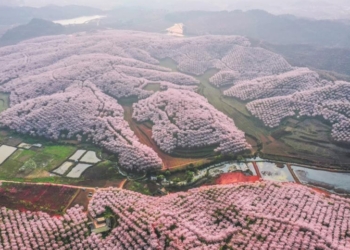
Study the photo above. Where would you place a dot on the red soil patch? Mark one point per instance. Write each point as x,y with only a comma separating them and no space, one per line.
271,138
236,177
93,183
252,143
321,191
144,134
263,139
46,198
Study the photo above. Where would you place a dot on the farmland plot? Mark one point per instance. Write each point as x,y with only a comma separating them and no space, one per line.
269,171
77,155
34,163
45,198
63,168
5,152
90,157
77,171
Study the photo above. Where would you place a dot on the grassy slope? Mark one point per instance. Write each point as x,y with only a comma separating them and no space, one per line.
152,87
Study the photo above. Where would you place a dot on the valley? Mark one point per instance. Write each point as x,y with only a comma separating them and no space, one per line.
133,140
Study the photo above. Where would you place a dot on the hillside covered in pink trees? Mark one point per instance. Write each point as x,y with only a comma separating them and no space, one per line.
82,77
299,93
331,102
118,65
82,111
181,122
262,215
276,85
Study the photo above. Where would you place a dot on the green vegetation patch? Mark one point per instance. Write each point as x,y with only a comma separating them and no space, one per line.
12,166
230,106
4,102
195,152
168,63
139,187
59,151
152,87
105,170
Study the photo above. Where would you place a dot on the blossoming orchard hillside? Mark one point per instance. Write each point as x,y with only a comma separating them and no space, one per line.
83,68
263,215
332,102
118,139
130,67
82,111
276,85
184,119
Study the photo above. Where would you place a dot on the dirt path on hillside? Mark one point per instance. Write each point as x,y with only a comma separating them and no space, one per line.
144,134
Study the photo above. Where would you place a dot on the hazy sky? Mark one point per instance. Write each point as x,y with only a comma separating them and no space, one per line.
309,8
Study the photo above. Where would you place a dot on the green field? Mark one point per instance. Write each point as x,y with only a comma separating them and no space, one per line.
169,63
202,152
152,87
139,187
34,163
231,107
4,102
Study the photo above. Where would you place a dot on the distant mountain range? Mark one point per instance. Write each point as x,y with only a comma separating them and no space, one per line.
318,44
21,15
35,28
285,29
315,57
315,9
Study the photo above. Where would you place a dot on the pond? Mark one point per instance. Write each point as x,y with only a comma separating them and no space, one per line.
338,182
270,172
228,168
223,168
78,20
244,171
